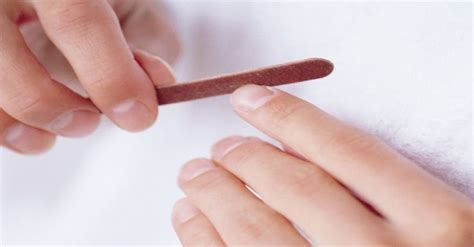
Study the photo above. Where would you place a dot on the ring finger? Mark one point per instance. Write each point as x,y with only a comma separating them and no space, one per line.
237,214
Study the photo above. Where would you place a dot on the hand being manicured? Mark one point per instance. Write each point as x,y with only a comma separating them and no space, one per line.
339,185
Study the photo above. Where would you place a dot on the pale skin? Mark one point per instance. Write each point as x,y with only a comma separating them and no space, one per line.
339,185
336,183
113,52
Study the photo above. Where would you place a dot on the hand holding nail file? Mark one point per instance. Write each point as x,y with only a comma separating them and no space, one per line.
292,72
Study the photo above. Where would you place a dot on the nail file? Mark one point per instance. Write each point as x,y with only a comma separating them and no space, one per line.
292,72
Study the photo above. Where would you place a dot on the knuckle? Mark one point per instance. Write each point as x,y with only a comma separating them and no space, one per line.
104,79
100,84
109,79
251,228
305,181
282,113
26,106
74,15
350,141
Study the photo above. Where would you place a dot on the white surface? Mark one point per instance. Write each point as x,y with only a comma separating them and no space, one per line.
402,71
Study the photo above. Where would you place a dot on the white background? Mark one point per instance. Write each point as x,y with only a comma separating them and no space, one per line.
403,71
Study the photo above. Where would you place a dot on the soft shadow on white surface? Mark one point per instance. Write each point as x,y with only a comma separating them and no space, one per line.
403,72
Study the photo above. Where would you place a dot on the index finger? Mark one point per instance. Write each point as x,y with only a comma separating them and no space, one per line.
88,33
394,185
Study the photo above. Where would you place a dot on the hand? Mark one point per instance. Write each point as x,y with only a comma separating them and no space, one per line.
336,183
45,44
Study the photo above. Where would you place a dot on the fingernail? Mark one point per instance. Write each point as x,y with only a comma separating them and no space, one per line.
159,71
195,168
27,140
132,115
251,97
77,123
223,147
184,211
13,133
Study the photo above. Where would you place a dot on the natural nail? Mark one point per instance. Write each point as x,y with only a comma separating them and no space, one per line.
132,115
13,133
251,97
77,123
184,211
195,168
223,147
25,139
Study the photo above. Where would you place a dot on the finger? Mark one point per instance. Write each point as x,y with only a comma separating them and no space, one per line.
395,186
146,27
192,227
28,94
238,216
298,189
291,151
89,35
159,71
23,138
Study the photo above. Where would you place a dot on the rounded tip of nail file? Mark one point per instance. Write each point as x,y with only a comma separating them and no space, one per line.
297,71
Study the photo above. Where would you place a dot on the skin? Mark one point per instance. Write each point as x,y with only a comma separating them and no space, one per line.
339,185
63,63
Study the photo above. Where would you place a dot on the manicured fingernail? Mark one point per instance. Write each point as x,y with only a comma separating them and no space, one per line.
195,168
223,147
132,115
251,97
183,211
77,123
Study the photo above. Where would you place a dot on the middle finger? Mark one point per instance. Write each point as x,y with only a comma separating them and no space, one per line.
302,192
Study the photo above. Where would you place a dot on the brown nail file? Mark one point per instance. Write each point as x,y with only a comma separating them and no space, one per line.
292,72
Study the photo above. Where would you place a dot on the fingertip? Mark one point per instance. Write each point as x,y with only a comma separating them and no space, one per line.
77,123
159,71
193,169
224,146
251,97
133,115
25,139
133,107
183,211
